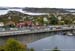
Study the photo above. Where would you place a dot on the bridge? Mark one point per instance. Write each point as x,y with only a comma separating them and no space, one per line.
30,35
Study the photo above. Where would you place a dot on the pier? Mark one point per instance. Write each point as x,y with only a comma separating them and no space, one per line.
35,31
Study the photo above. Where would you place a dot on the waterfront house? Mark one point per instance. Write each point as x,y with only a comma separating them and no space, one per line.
1,24
73,22
10,24
37,23
21,24
29,23
24,24
59,18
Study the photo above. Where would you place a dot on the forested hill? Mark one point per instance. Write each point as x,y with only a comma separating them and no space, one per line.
45,10
3,8
40,10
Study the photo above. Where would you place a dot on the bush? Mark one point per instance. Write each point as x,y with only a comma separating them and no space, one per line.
13,45
1,48
55,49
31,49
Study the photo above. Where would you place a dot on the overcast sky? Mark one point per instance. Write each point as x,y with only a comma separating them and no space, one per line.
39,3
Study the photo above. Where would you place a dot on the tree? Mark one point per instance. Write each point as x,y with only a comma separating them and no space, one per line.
61,22
1,48
31,49
13,45
40,20
67,20
55,49
53,20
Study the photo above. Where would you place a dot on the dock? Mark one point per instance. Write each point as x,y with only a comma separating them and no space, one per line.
33,31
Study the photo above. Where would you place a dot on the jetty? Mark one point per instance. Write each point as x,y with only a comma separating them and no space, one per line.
34,31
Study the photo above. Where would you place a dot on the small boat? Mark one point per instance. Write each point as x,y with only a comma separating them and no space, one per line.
73,32
69,34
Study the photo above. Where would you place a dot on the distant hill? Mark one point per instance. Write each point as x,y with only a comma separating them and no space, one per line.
14,13
45,10
15,16
40,10
14,8
1,8
6,8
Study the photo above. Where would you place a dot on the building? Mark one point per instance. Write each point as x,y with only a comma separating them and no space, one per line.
1,24
10,24
24,24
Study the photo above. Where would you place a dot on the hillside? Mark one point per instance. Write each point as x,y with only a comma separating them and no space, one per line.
45,10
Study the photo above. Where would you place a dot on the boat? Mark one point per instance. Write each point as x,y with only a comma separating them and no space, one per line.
67,33
73,33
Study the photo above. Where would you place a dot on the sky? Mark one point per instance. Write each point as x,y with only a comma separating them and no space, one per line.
38,3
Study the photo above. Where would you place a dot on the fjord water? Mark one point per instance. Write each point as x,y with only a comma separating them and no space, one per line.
44,41
62,42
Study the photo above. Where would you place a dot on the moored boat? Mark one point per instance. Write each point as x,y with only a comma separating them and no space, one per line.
68,33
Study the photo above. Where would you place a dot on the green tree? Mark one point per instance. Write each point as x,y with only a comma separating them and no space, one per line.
40,20
53,20
68,18
1,48
55,49
13,45
61,22
67,21
31,49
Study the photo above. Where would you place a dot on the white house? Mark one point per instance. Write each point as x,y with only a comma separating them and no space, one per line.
45,19
1,24
59,18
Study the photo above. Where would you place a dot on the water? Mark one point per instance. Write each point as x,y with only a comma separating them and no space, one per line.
45,41
2,12
64,43
26,38
71,10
